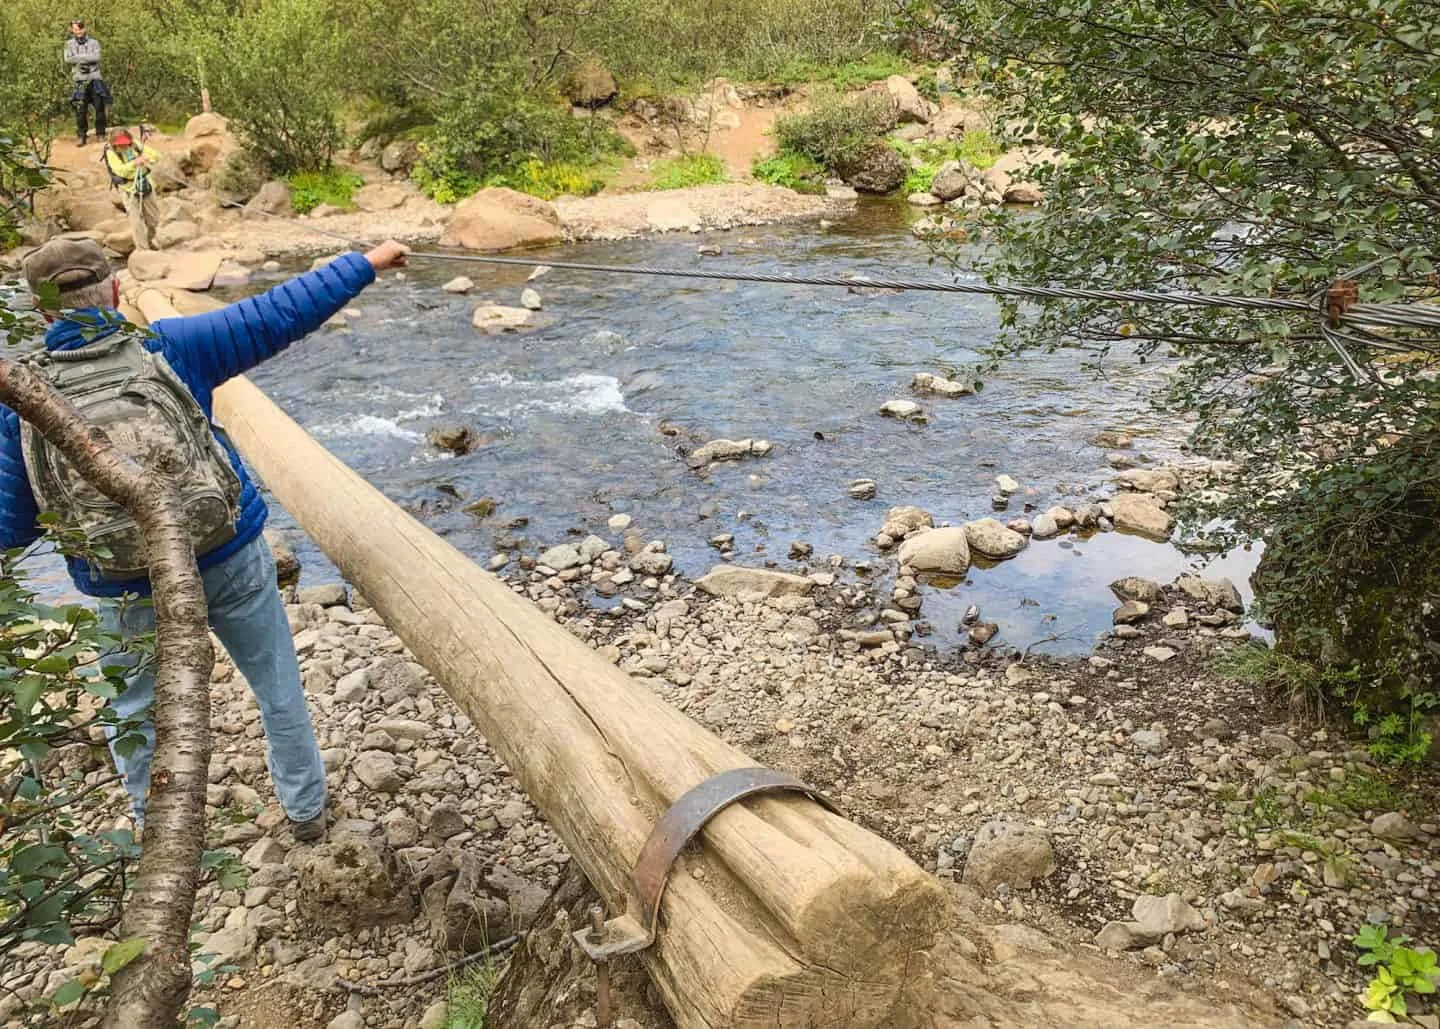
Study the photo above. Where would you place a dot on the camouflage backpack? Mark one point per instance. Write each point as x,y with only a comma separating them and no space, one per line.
141,404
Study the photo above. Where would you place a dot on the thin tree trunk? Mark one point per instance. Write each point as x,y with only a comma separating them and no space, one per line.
151,990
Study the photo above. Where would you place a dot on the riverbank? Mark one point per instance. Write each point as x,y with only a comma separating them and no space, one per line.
1131,776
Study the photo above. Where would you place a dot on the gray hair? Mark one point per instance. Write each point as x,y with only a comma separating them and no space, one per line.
100,294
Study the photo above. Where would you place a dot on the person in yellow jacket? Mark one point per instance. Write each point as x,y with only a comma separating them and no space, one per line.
131,171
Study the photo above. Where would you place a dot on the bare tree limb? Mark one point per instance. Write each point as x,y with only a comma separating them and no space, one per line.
152,989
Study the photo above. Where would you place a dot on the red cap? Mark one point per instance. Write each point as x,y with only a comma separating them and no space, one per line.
122,138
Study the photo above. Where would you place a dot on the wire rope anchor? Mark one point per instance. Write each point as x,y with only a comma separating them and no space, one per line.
635,929
1342,295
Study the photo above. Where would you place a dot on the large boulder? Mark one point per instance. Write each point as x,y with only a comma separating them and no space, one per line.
991,539
353,883
273,199
174,233
942,551
1218,593
400,156
192,270
874,168
1008,852
910,106
501,219
203,125
589,84
1141,514
733,581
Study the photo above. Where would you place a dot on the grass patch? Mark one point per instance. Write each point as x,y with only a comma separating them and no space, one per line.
468,993
550,179
977,149
791,170
688,170
334,186
870,68
1359,793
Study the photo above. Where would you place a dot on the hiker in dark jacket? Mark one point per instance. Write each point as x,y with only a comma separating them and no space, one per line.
88,88
245,607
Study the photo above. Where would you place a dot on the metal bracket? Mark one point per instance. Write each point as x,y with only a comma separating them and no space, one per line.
1342,295
635,929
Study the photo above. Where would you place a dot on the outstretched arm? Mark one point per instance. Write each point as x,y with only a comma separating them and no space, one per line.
220,345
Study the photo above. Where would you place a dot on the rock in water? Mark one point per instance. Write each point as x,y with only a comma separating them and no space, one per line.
353,883
906,409
874,168
862,489
1007,484
458,439
924,382
1008,852
990,538
1135,588
459,284
1139,513
944,551
492,319
530,300
1130,612
501,219
1220,593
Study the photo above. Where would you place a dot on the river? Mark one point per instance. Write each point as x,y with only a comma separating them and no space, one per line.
572,414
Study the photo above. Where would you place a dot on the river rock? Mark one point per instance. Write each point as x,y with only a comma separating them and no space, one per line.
459,284
862,489
652,562
1139,513
174,233
562,557
1149,480
1219,593
377,770
925,382
923,200
501,219
287,565
400,156
530,300
728,450
1130,612
902,521
1159,655
458,439
273,200
735,580
905,409
1112,439
1158,917
982,633
330,594
910,106
1044,526
1007,484
1132,587
949,184
944,551
353,883
990,538
1008,852
1176,618
874,168
1392,826
463,916
493,319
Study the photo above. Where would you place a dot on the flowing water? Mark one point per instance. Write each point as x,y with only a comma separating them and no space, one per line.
571,415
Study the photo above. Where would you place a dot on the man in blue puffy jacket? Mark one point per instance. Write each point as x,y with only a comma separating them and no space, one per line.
246,611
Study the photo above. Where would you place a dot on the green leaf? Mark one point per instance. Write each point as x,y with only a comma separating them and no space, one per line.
121,954
68,993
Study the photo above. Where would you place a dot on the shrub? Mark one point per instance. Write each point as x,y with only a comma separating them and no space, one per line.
978,149
835,127
794,171
550,180
239,176
308,190
688,170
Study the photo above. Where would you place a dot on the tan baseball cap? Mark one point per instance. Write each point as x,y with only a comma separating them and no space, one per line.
68,264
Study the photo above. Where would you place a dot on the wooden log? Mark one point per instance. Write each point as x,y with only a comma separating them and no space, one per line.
801,918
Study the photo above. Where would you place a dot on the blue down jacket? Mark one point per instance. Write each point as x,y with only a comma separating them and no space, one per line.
205,350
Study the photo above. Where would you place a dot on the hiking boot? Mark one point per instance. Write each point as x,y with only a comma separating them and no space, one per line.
308,831
81,141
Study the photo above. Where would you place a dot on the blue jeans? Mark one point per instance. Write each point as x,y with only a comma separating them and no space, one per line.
248,615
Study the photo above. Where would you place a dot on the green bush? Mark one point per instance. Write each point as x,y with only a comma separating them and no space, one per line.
239,176
835,127
308,190
794,171
550,180
688,170
499,131
978,149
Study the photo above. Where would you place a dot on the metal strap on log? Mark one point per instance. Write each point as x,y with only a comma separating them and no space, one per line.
786,914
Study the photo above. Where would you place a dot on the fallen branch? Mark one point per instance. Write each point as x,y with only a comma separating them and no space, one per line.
151,990
376,989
